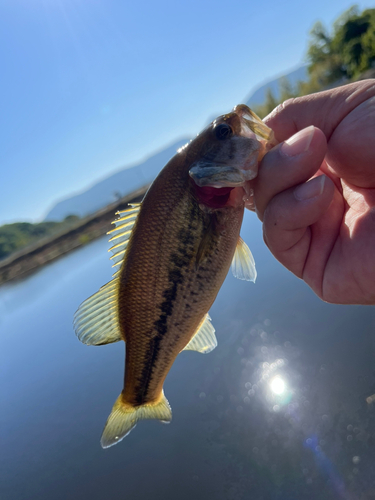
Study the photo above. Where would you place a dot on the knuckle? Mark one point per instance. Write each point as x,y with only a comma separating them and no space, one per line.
271,215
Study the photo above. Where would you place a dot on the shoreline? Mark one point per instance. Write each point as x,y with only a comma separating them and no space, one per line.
31,258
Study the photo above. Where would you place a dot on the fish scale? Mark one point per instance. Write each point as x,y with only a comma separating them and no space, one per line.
173,252
195,282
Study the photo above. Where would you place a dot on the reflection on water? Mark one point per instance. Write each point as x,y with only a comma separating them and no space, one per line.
281,409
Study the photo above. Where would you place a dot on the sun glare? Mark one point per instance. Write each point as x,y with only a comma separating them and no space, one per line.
277,385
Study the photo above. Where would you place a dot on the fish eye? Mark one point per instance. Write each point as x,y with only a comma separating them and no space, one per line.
223,131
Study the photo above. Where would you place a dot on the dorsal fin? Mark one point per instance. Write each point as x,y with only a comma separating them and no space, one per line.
204,340
243,264
96,320
121,233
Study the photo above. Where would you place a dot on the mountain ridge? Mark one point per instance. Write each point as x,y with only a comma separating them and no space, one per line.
132,177
114,186
257,96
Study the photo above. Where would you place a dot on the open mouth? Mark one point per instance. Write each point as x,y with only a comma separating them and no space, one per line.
213,197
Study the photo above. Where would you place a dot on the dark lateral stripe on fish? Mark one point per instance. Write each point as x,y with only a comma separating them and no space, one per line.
152,354
180,259
144,380
175,278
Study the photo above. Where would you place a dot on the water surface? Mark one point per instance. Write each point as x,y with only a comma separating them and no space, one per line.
277,411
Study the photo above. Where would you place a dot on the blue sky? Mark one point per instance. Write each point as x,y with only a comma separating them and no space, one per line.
89,86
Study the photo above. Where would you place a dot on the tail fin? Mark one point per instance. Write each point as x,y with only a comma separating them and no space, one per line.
124,418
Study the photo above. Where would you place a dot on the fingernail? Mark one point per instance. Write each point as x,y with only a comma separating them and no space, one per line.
299,142
310,189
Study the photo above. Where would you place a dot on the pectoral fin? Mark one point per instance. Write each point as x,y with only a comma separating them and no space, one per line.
243,265
204,339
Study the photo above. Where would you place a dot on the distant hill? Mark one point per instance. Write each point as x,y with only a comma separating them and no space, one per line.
130,178
258,96
117,185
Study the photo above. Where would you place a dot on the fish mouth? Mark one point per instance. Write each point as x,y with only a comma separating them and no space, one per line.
219,176
252,125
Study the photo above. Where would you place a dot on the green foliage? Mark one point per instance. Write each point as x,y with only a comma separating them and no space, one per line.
270,103
71,219
15,236
286,89
347,51
342,54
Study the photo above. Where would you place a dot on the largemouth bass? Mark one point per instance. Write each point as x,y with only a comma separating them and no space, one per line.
173,252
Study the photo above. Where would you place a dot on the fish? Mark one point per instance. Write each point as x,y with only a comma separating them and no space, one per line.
172,253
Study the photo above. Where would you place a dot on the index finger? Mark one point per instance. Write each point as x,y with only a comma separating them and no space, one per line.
325,110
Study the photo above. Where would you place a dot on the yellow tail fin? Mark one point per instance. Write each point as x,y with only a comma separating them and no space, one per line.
124,418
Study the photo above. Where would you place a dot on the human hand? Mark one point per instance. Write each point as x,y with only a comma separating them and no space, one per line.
323,229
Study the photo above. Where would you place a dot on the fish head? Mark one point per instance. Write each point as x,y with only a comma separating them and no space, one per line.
227,153
229,150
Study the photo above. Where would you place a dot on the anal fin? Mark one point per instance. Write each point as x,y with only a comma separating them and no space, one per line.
204,340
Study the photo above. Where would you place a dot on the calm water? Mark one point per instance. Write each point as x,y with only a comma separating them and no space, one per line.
277,411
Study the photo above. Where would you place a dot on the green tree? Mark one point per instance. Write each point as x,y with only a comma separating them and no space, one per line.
16,236
270,103
347,51
286,89
71,219
368,55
